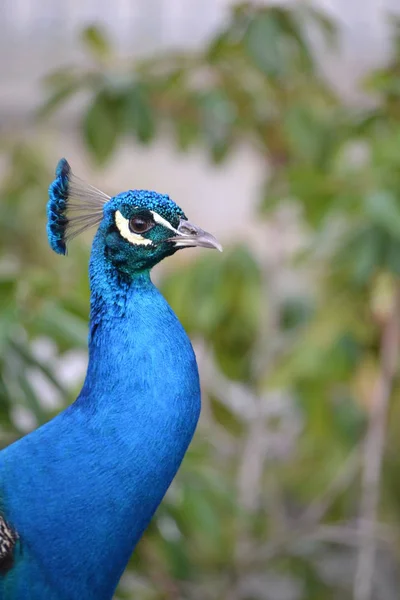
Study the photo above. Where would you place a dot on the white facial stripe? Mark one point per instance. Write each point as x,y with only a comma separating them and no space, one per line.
123,228
161,221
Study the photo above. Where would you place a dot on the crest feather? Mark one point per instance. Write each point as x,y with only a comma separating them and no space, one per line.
73,207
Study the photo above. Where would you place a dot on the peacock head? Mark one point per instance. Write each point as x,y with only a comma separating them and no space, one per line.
138,228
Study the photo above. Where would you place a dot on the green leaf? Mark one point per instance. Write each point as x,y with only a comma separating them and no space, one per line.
178,560
101,126
383,81
218,47
263,45
304,133
392,257
226,417
276,44
382,208
314,188
217,113
295,312
187,132
139,115
96,42
365,251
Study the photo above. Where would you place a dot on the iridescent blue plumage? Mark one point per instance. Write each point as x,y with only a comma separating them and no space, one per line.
57,206
79,491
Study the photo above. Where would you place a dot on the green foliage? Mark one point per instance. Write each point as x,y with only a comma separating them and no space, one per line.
96,43
252,72
102,123
34,297
288,376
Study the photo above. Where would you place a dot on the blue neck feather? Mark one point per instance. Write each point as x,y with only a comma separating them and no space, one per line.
106,462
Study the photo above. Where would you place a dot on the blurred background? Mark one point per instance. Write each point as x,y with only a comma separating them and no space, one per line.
277,127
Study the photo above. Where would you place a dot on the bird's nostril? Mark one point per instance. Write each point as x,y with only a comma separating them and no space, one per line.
188,229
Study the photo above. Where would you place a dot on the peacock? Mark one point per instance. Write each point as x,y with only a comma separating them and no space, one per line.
77,494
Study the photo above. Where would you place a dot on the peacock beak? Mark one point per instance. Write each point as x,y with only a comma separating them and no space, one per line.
190,235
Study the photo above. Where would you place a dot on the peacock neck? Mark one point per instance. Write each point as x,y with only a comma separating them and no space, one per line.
142,394
112,288
107,461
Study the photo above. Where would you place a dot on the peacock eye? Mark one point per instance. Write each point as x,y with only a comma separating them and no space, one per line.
140,224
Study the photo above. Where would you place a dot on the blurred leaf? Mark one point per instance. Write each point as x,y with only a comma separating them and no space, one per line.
139,115
295,312
276,44
264,45
365,251
102,125
384,210
225,417
187,131
217,115
383,81
96,42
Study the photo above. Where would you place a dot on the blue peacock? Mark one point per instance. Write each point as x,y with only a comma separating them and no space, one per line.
77,494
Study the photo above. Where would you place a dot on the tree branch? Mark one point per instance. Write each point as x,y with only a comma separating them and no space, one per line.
373,452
